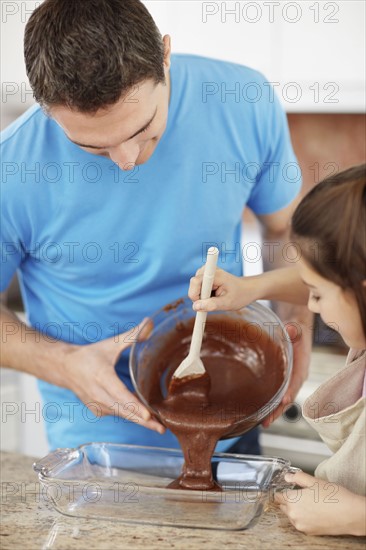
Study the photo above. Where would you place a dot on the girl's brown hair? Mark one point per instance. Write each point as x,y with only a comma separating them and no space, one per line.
330,227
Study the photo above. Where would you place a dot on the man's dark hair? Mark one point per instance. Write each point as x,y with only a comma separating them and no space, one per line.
87,54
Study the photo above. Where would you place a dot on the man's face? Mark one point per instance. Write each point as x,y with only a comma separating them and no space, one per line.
126,132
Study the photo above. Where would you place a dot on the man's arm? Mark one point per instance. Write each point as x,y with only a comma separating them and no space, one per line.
277,253
87,370
26,350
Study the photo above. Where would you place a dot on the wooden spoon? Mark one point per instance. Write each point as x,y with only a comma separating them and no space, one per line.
192,365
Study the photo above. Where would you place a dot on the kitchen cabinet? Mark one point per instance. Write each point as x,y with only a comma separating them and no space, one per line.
313,52
325,53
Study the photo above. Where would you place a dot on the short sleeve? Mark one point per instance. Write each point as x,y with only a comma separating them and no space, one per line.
11,254
279,177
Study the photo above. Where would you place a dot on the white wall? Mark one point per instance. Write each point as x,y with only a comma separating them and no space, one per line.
319,46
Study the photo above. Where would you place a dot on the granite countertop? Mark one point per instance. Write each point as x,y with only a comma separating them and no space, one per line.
29,522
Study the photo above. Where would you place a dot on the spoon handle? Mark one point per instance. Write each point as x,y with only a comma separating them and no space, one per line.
209,273
200,321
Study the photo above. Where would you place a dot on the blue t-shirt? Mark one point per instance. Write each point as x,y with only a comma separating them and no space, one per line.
97,249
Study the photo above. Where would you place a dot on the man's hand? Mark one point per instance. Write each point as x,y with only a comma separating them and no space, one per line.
300,336
89,372
86,370
322,508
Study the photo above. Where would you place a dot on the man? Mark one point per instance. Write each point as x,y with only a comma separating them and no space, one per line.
111,195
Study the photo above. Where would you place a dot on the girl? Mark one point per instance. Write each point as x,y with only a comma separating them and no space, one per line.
329,232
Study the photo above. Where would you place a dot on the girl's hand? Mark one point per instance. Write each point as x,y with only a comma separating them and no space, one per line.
231,292
280,284
322,508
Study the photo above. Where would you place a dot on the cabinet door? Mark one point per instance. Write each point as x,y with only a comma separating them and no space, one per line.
322,53
313,51
233,31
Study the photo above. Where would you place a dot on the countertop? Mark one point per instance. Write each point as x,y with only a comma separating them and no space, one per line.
29,522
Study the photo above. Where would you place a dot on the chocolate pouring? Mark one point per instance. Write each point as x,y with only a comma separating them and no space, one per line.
241,377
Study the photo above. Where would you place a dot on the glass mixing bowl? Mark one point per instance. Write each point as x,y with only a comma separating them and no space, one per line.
169,318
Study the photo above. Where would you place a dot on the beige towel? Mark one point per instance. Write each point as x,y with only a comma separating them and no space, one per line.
336,410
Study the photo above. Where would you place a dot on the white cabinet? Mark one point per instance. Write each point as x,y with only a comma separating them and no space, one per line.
209,29
21,412
314,52
9,401
21,418
325,53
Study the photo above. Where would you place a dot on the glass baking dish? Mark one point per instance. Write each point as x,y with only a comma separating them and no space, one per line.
128,483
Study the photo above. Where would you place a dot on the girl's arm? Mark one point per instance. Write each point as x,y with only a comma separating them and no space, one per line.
236,292
322,508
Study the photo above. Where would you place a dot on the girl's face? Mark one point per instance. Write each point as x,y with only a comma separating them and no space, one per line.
337,307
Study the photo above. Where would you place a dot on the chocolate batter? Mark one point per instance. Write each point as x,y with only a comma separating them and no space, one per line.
245,369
